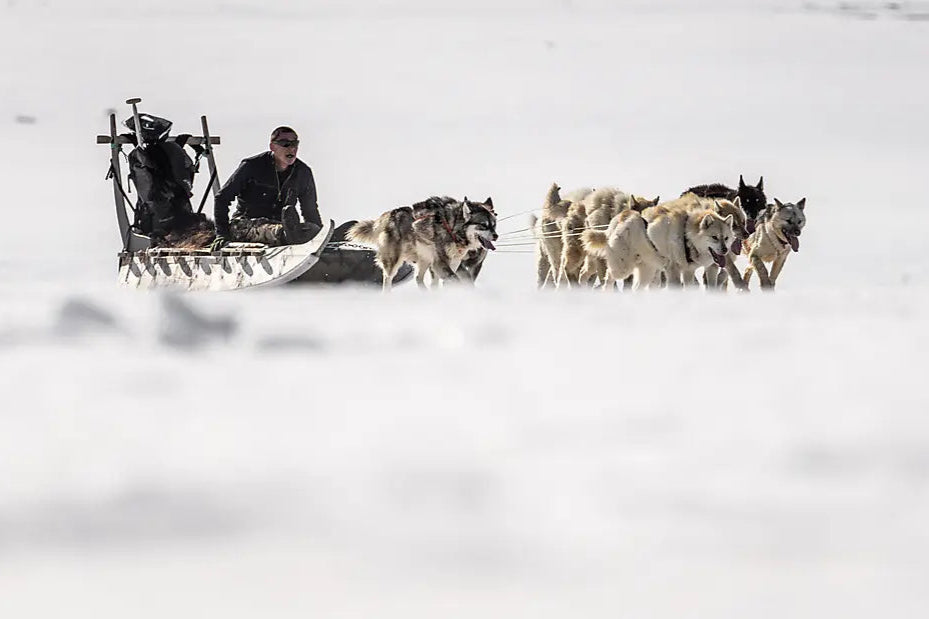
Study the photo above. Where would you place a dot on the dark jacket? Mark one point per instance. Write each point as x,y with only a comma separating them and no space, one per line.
163,176
260,192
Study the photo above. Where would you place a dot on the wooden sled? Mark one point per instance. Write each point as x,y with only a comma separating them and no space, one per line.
236,266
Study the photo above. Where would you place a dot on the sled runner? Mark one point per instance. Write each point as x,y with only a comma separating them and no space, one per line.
237,265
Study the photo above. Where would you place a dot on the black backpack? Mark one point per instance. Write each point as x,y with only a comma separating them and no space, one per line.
162,173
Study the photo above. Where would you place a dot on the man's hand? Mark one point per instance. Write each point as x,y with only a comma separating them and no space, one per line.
218,244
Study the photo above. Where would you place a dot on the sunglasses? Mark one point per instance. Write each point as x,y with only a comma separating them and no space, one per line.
287,143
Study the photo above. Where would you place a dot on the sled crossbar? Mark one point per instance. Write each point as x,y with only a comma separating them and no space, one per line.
194,140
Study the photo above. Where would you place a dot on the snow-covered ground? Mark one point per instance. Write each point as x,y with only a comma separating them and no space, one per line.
495,452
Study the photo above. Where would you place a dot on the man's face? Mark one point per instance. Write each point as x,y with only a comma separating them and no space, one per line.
284,148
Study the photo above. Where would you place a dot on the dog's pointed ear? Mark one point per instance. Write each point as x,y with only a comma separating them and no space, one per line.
801,203
741,182
707,221
737,202
489,202
657,201
465,209
729,220
760,185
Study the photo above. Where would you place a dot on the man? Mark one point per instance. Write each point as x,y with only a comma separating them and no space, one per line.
267,188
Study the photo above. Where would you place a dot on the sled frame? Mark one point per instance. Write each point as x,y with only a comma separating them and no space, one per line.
131,240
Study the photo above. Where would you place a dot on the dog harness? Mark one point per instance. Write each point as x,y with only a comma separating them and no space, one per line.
444,221
450,232
687,246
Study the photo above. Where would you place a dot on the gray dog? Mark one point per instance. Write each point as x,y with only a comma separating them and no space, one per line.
435,235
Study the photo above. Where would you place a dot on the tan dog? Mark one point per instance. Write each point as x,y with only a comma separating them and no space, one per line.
602,206
713,276
627,250
774,239
572,249
547,231
689,236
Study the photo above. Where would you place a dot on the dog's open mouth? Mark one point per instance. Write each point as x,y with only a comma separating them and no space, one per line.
750,225
486,243
719,259
794,241
736,247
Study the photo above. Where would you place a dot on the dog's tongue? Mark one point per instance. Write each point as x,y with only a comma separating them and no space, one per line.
486,243
736,247
750,225
794,242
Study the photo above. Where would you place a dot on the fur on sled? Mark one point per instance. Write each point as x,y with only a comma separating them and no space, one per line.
190,231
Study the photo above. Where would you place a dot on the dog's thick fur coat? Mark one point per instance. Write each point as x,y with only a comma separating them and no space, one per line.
627,250
689,236
602,205
435,235
572,249
774,238
547,231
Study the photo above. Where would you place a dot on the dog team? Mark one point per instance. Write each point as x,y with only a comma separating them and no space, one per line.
609,236
600,236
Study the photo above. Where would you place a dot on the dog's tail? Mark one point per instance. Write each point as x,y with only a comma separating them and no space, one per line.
554,207
363,232
595,243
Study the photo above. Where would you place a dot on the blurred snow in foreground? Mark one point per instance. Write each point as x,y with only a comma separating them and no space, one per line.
479,453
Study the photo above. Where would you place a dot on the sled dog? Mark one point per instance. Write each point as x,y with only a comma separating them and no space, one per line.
433,235
713,276
601,206
482,225
572,249
751,198
391,235
627,250
774,238
547,231
571,226
688,236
